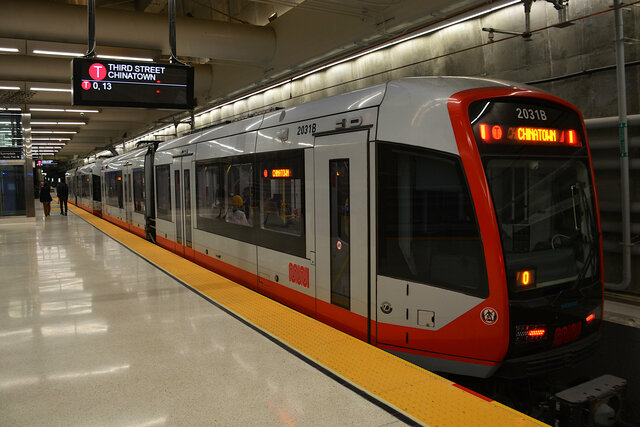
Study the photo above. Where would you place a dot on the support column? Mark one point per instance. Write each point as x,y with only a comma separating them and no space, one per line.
28,166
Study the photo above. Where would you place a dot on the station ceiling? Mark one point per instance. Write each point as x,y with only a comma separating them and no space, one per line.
234,45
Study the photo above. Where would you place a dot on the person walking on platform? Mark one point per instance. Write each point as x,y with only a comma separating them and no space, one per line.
62,191
45,198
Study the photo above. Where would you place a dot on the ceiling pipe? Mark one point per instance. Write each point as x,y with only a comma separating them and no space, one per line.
199,38
624,154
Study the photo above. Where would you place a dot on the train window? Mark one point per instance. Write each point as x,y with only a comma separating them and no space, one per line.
281,201
340,233
97,193
281,190
427,228
163,192
177,187
233,196
238,187
546,216
138,190
113,187
210,200
86,185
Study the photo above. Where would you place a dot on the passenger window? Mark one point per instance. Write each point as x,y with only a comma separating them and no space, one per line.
85,185
427,225
239,201
163,192
114,188
235,190
282,198
210,200
97,197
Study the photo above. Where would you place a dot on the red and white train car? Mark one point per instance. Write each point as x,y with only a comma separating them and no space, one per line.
124,191
85,188
451,221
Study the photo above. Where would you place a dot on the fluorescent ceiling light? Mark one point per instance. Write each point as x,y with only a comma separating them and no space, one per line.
125,58
55,131
9,49
64,110
57,123
47,109
51,139
68,110
56,53
77,55
9,88
50,89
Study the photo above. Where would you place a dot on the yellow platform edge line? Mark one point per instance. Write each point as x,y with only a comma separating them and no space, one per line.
417,393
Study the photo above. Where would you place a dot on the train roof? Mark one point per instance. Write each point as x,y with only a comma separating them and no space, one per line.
421,90
118,161
90,168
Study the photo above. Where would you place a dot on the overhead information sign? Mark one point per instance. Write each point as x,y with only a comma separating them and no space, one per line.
105,83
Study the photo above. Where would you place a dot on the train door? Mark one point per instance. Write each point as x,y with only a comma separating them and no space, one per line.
342,224
181,180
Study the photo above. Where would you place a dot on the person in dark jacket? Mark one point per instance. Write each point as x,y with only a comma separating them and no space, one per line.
45,198
62,191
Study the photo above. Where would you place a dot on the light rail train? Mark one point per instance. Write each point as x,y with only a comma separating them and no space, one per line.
450,221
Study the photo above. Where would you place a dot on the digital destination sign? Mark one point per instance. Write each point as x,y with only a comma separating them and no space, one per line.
107,83
539,123
496,134
277,173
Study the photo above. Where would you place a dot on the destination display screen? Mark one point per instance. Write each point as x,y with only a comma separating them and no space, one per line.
106,83
278,173
515,123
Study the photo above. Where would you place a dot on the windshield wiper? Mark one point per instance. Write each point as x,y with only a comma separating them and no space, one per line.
592,238
574,189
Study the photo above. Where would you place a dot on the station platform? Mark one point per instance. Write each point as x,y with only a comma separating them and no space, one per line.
100,327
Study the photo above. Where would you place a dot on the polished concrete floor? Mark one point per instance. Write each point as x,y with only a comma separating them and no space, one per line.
91,334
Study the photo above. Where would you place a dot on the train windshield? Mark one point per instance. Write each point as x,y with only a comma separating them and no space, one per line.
538,172
545,210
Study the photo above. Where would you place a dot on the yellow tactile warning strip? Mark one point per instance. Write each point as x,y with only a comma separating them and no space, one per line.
420,395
